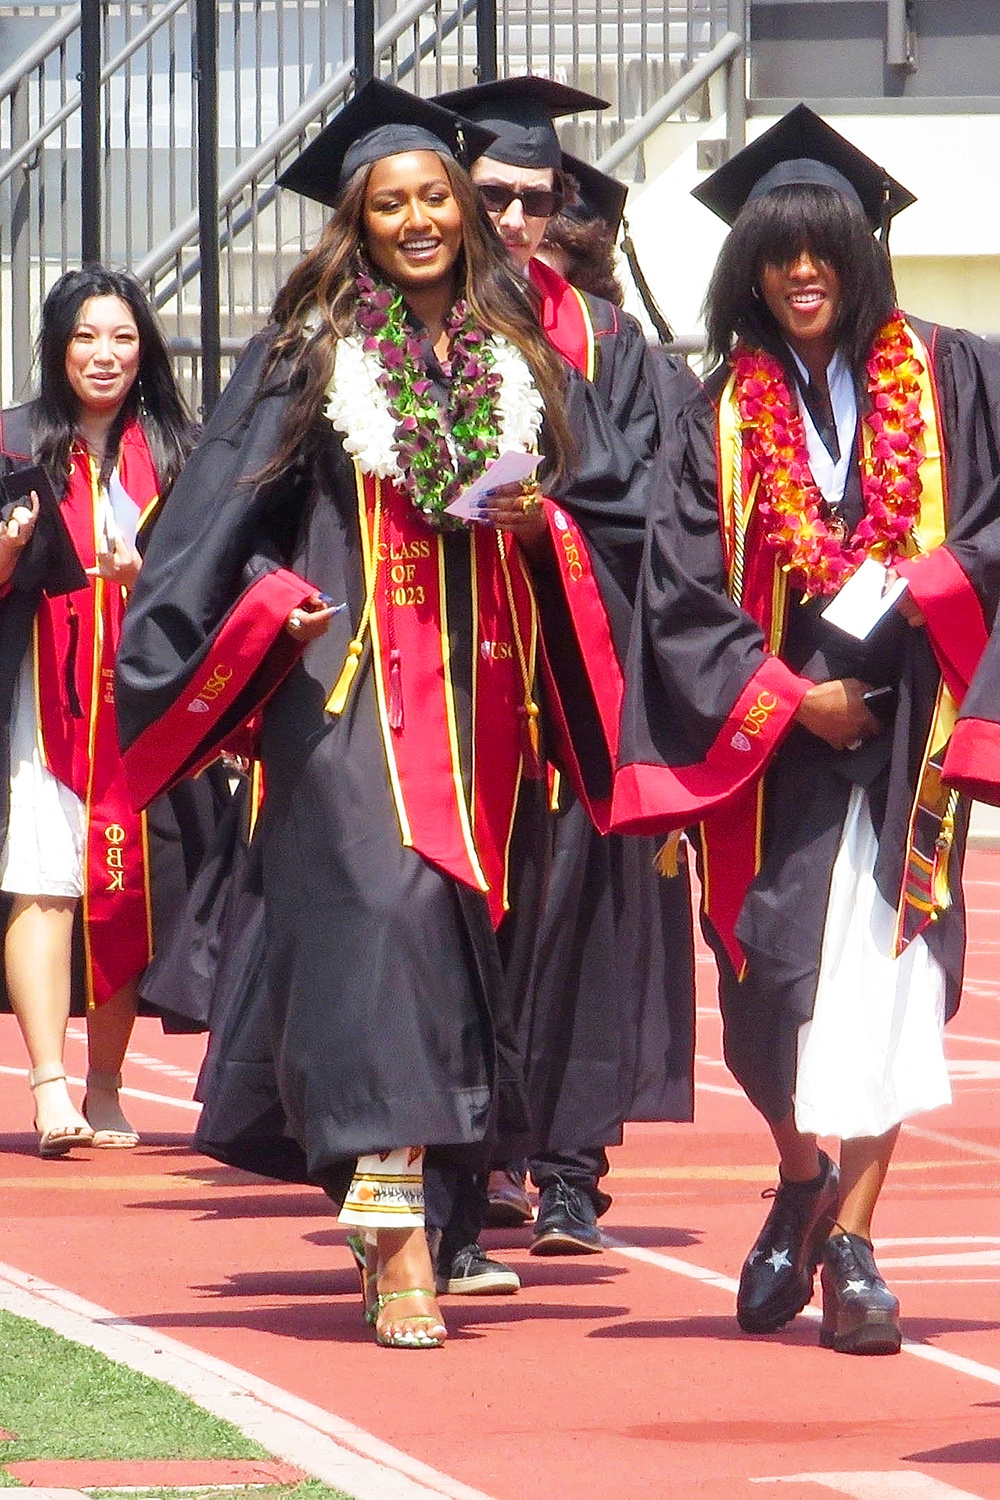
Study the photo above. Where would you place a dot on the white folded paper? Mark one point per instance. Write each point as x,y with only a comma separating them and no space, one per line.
124,517
510,468
864,600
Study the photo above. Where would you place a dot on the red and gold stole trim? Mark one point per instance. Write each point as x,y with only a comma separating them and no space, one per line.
732,844
76,638
458,816
566,318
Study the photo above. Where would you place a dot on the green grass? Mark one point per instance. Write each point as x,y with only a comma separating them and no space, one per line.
309,1489
66,1401
63,1400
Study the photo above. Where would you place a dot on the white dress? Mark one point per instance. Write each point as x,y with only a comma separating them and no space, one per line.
44,848
873,1053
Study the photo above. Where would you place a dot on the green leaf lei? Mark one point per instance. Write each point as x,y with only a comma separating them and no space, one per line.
437,462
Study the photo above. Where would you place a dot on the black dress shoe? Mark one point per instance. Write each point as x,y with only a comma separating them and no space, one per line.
860,1314
777,1277
566,1222
509,1204
470,1273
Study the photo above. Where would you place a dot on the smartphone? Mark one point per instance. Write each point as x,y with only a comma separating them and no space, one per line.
881,702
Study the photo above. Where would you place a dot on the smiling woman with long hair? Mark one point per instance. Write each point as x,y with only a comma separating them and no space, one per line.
843,441
391,656
110,430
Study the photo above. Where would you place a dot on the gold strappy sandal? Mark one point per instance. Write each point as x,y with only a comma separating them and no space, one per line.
410,1338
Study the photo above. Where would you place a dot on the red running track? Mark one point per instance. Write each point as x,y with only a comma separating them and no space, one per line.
611,1375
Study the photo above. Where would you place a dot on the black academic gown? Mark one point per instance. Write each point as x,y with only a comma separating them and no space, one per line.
972,762
709,714
609,1032
382,1010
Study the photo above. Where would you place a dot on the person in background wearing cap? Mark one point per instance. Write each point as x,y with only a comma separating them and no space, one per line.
394,652
608,1019
843,435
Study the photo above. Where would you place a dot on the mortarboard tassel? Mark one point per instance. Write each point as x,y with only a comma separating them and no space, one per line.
667,857
395,704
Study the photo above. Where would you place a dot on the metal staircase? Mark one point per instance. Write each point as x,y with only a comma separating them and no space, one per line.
161,154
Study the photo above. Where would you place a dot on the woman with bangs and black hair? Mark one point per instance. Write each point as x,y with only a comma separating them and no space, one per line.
823,565
391,655
110,430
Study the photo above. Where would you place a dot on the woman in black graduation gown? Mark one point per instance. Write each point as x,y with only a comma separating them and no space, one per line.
398,657
831,854
77,867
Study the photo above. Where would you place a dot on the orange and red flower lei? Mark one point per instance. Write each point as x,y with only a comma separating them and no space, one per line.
791,506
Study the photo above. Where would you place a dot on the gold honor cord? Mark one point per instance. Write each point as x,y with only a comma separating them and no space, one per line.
465,814
338,698
530,706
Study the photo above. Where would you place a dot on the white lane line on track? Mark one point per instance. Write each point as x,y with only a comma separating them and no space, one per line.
971,1148
325,1445
143,1059
904,1484
126,1093
934,1356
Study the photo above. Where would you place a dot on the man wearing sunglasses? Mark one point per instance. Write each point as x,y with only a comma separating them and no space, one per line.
607,1020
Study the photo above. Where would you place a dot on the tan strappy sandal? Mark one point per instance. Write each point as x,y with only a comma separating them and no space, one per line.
114,1137
58,1139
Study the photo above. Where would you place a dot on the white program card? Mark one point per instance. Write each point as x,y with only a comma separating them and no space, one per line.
510,468
863,600
124,510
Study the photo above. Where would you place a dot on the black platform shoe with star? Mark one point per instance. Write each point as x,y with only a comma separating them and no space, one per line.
778,1274
860,1314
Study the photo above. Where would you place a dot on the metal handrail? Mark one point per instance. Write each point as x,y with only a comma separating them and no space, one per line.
263,200
730,44
47,42
272,149
73,104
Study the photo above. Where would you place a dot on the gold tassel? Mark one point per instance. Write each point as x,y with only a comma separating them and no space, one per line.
941,894
532,710
667,857
337,699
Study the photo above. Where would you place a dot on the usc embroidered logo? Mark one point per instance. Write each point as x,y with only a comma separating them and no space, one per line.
210,690
114,861
495,650
574,564
754,720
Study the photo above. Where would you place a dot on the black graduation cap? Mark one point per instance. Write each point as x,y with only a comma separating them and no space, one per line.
803,149
380,120
520,112
601,196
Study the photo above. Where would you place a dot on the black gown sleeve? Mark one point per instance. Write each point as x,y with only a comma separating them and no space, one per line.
203,642
697,669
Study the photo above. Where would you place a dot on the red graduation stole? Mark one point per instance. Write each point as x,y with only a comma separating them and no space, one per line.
458,815
76,638
565,318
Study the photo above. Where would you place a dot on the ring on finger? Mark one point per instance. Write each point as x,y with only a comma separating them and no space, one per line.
530,496
855,744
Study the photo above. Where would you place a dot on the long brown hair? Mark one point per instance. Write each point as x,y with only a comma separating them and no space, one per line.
322,286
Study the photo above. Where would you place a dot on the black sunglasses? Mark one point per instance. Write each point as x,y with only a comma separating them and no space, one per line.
537,203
